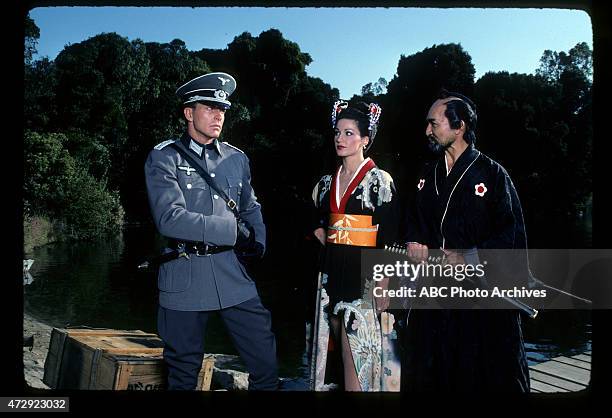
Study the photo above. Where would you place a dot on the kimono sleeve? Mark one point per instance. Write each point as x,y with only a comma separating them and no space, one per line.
319,213
387,216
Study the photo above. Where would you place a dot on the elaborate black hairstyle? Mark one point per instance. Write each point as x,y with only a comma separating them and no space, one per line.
366,116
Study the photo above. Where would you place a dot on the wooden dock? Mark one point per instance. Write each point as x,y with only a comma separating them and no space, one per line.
561,374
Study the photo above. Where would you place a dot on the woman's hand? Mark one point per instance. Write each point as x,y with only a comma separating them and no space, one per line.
320,234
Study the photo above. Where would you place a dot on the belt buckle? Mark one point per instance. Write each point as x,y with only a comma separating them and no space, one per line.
205,254
182,250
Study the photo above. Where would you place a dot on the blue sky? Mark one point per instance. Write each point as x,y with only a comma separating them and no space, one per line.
349,46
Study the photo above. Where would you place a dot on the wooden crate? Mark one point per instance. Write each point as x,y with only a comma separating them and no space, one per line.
110,360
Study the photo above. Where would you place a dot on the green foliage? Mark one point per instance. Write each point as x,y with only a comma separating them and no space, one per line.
101,82
40,107
60,186
370,92
38,231
113,99
578,59
419,78
32,34
540,128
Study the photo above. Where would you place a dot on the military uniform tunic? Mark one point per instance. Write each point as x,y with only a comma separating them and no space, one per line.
185,207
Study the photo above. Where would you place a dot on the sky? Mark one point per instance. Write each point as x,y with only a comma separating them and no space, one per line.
350,47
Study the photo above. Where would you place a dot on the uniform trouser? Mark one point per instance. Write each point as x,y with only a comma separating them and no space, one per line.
248,324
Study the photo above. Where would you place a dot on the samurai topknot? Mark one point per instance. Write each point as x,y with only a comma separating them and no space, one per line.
460,108
365,115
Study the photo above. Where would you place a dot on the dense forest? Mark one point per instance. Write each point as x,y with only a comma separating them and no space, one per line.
94,112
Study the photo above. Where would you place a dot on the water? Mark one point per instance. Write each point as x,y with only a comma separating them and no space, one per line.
97,285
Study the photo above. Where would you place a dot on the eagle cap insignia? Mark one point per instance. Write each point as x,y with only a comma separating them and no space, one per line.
223,80
480,189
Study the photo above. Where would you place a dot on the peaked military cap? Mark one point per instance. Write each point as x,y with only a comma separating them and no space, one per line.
211,87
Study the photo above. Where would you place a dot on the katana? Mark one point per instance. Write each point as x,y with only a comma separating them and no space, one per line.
532,312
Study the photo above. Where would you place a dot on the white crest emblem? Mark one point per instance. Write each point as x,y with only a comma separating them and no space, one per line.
480,189
421,184
223,80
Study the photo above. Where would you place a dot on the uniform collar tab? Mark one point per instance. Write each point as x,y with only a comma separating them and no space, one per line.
196,147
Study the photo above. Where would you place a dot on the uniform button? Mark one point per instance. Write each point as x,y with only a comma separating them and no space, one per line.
240,184
189,186
216,197
212,174
206,155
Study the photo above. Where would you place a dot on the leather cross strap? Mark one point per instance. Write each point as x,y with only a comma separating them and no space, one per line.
231,203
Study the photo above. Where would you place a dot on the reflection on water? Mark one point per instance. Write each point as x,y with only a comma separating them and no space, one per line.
98,285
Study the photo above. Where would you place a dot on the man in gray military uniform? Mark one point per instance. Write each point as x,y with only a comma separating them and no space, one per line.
205,224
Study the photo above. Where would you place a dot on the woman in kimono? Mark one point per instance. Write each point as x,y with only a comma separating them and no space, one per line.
355,208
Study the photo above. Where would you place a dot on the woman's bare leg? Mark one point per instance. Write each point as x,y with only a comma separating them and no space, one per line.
351,382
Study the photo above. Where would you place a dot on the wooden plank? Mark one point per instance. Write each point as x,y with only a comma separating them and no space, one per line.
564,371
75,365
94,368
106,374
153,369
573,362
205,375
106,332
134,351
538,386
53,361
555,381
123,376
583,357
121,343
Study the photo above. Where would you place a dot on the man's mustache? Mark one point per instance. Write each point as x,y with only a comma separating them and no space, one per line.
434,146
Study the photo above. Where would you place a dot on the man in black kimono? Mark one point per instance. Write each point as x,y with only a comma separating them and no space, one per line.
464,202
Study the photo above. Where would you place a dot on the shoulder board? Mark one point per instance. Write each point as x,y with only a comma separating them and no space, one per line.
164,144
230,145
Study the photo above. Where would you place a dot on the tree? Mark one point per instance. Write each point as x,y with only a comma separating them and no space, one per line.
60,186
578,59
374,89
100,83
32,34
39,101
409,95
540,128
158,118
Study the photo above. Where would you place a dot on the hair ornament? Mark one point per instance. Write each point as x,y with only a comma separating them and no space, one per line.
339,106
374,115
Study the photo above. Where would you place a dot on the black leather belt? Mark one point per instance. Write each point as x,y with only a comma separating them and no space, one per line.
197,248
183,249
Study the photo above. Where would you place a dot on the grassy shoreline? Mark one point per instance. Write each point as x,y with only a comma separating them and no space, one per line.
39,231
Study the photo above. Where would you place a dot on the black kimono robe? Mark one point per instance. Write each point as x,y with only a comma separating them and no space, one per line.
375,195
474,206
